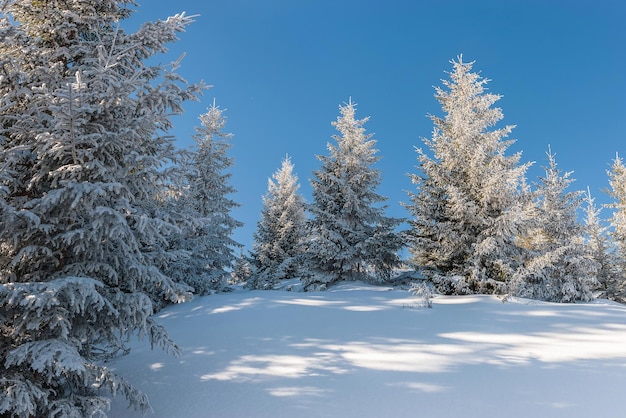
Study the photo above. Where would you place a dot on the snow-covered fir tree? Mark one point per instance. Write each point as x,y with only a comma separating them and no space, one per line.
471,200
617,191
559,267
350,236
281,232
599,249
243,269
207,229
83,124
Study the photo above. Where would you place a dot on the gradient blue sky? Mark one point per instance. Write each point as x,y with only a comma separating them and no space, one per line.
281,68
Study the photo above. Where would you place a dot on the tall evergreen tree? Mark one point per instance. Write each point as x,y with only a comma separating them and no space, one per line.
280,233
600,251
350,235
471,199
205,200
559,268
617,183
83,121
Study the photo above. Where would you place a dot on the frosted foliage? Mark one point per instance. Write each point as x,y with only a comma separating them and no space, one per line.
558,267
617,191
243,269
205,208
350,235
601,251
471,199
280,233
83,125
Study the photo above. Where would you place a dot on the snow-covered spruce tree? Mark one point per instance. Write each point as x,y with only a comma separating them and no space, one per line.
83,119
617,183
600,251
559,267
471,200
350,237
280,233
206,234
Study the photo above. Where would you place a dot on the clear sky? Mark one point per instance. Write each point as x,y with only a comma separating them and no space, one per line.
281,68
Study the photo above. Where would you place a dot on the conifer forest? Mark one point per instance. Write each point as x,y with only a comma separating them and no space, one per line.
107,223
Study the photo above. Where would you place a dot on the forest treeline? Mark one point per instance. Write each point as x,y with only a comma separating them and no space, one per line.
104,221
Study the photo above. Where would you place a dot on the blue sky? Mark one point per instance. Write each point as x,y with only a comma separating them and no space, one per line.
281,68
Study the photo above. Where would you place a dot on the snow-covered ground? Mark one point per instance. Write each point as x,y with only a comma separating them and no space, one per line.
363,351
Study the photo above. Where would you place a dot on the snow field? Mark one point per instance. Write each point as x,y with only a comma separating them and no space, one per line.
364,351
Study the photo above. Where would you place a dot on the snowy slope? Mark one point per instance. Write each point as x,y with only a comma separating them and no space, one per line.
363,351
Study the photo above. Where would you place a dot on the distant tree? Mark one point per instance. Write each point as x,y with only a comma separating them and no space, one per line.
243,269
601,252
280,233
559,267
350,235
617,183
83,146
471,201
207,225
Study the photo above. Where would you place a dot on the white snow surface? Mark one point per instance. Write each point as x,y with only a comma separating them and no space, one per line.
357,350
